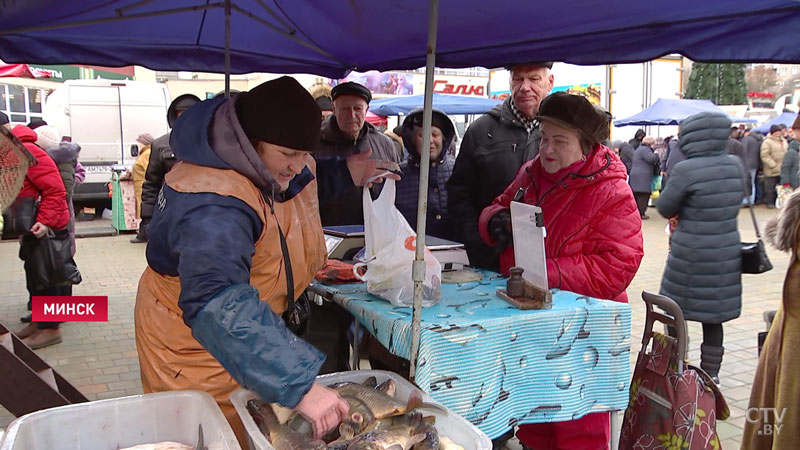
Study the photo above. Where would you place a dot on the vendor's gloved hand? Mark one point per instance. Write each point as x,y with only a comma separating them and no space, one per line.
324,408
500,229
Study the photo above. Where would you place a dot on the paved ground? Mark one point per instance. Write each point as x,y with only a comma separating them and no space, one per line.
100,358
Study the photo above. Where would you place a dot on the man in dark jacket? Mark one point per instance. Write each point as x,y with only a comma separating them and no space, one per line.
752,151
674,156
637,138
494,148
736,148
791,160
626,155
645,160
162,158
346,132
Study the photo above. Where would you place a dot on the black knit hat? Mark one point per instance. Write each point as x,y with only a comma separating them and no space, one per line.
351,88
575,111
774,128
324,103
280,112
36,123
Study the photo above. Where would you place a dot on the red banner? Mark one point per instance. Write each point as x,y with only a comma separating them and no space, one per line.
70,309
22,70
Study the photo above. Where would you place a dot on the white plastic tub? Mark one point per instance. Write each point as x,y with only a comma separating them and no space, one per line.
453,426
123,422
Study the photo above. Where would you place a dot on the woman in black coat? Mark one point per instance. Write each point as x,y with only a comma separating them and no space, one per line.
704,266
641,174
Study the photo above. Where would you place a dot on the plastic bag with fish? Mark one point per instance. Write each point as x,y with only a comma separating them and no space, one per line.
390,250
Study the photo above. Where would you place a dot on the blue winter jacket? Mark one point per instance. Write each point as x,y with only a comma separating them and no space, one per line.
208,241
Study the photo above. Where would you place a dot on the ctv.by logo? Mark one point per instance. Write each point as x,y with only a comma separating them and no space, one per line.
762,415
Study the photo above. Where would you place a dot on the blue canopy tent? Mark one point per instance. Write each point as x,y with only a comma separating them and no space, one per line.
671,111
331,38
786,118
447,103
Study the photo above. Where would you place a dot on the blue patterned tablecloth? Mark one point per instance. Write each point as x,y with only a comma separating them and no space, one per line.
498,366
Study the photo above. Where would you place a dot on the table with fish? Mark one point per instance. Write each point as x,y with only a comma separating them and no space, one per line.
498,366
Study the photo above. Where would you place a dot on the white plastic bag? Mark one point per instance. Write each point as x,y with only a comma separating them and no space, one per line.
390,248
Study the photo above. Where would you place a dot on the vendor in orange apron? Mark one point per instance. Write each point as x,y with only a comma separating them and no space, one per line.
234,239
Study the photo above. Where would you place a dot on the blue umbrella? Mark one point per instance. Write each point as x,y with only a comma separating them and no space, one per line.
787,118
447,103
671,111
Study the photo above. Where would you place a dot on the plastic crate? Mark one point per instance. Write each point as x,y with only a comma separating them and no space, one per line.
123,422
453,426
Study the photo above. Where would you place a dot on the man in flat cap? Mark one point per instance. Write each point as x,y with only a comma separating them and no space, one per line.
346,132
494,148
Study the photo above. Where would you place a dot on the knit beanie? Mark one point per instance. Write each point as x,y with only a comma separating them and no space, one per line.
280,112
48,137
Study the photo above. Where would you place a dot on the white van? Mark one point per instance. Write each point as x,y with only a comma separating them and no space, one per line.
104,117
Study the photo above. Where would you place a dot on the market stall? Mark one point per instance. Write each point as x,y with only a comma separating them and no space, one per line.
499,366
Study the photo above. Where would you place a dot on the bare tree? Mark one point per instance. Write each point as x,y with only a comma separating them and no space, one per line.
762,79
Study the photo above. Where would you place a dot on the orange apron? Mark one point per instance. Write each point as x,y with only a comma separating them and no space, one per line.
169,356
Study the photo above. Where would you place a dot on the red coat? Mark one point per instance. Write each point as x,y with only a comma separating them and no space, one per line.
594,231
43,180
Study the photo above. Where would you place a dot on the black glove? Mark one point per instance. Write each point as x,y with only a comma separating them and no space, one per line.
500,229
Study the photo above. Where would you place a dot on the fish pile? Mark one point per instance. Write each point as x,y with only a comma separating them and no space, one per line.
376,421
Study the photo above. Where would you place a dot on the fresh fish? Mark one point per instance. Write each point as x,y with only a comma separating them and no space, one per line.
380,404
400,433
368,405
385,440
410,420
370,382
388,387
431,441
280,436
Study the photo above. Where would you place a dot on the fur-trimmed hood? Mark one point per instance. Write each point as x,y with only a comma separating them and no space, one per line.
781,231
65,152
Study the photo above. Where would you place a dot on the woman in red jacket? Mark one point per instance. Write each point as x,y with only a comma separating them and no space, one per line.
593,243
42,182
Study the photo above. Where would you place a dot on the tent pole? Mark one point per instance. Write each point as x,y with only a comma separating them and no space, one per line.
418,268
227,48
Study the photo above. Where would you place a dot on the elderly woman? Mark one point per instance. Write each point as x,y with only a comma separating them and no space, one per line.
43,187
235,238
704,266
776,384
645,160
441,167
594,239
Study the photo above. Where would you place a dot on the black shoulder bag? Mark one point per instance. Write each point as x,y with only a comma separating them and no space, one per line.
20,217
297,311
754,254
